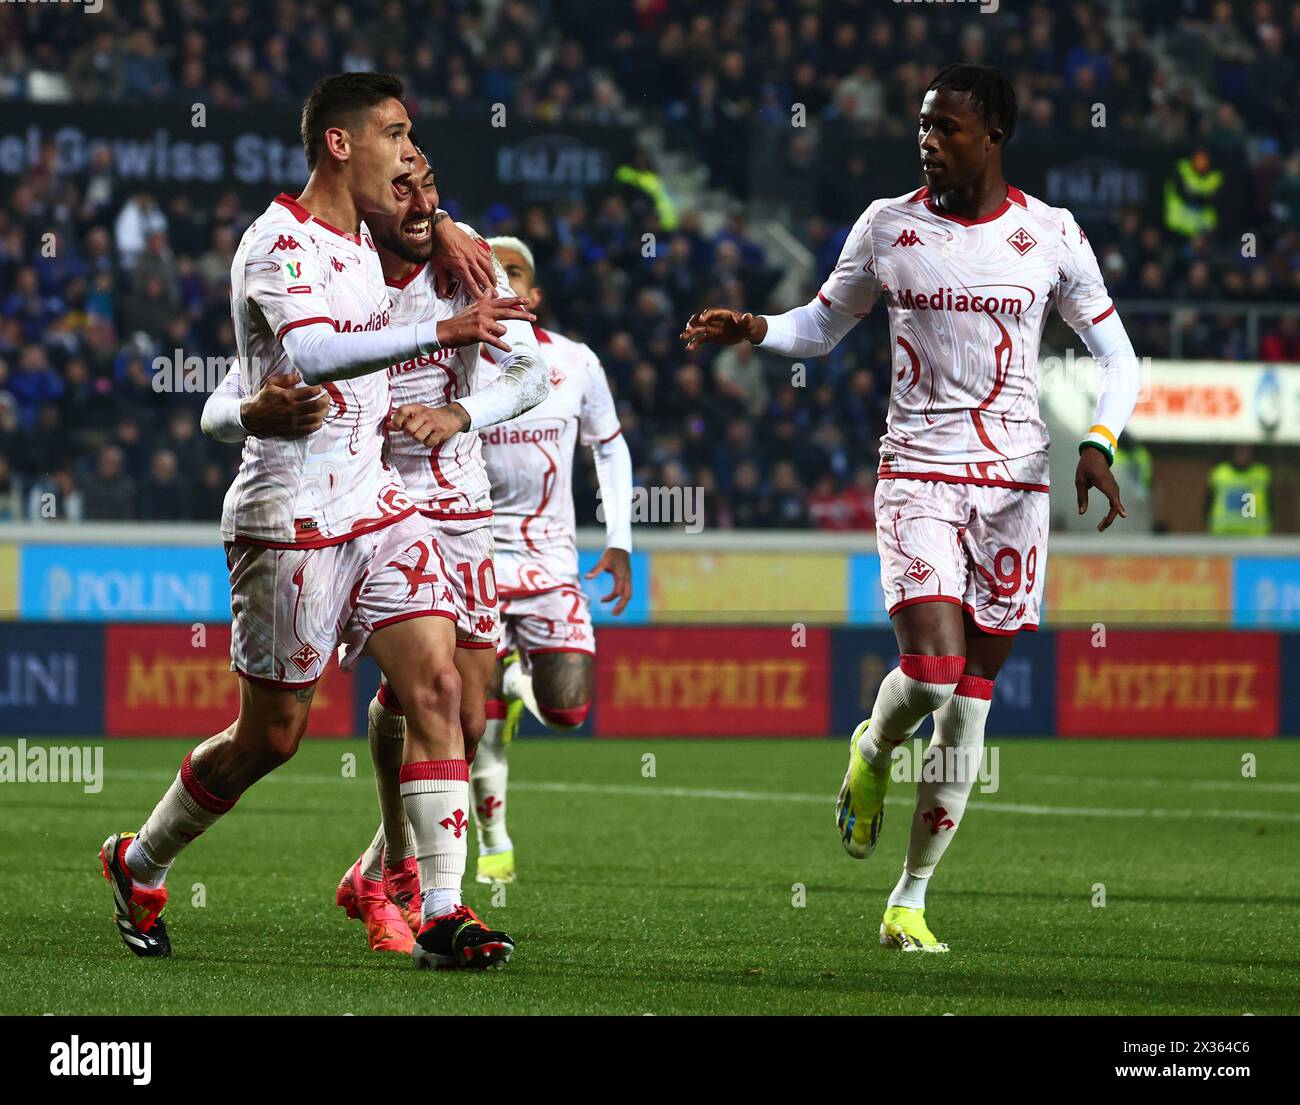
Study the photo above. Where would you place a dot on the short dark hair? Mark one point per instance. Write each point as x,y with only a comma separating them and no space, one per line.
989,89
337,98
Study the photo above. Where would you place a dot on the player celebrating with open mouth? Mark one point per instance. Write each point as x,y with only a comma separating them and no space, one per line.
434,444
968,266
325,547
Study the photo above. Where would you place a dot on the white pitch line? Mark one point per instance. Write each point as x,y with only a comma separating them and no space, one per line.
1164,784
653,790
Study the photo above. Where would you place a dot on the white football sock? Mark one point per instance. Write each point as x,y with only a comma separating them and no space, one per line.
907,696
951,766
436,796
185,812
488,776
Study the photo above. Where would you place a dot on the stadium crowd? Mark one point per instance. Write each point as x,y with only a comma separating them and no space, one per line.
97,280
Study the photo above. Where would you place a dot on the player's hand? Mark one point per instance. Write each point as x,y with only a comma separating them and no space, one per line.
482,321
458,258
617,563
1093,471
430,426
281,408
722,327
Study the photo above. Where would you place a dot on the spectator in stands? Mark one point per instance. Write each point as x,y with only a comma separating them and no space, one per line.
56,498
166,496
110,492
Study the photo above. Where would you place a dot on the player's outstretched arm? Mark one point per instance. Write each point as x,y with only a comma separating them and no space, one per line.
812,330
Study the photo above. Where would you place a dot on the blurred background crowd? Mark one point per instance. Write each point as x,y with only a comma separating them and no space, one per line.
98,277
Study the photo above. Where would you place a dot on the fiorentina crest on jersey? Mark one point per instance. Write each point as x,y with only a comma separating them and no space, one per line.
919,570
1022,241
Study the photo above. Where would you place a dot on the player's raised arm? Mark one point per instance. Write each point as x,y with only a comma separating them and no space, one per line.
817,327
1086,307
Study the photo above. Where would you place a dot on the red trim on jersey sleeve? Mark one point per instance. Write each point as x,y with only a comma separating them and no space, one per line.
607,440
401,284
824,299
1105,314
303,322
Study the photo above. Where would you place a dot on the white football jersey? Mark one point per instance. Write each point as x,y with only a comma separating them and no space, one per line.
449,481
968,300
292,269
530,458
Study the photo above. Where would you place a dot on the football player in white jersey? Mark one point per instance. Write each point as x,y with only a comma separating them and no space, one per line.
968,267
443,474
547,633
325,548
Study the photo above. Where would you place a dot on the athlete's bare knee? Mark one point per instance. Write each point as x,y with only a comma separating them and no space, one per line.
438,695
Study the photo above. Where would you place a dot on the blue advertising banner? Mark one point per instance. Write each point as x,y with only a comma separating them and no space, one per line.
1288,706
638,610
119,583
51,679
1266,591
1024,702
866,599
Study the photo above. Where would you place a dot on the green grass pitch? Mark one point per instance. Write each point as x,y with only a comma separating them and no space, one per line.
676,894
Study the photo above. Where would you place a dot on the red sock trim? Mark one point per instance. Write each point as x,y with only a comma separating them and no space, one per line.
972,686
573,715
389,701
455,770
932,669
199,792
495,709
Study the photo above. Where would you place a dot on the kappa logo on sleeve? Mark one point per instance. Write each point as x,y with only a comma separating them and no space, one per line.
285,241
